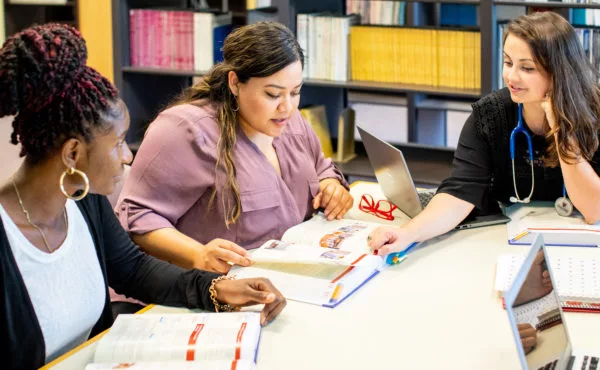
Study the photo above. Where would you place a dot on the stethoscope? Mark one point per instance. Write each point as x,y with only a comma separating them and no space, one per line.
563,204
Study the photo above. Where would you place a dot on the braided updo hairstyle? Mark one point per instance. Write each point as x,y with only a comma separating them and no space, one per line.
45,83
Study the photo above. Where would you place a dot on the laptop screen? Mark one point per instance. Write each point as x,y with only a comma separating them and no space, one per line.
534,310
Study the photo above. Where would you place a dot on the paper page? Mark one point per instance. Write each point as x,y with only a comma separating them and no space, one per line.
542,215
283,252
180,337
300,282
507,268
575,278
345,234
176,365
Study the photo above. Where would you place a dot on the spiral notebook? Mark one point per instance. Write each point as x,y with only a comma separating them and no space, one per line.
577,280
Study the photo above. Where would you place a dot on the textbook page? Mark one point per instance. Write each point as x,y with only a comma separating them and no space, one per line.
317,261
176,365
276,251
345,234
541,217
181,337
337,242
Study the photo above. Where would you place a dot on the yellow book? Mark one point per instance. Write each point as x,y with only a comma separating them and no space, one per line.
317,118
434,58
477,61
250,4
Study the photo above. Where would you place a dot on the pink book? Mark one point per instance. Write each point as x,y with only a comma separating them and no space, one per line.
189,42
133,50
145,54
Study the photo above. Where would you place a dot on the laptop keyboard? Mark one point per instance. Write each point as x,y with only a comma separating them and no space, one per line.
589,363
425,196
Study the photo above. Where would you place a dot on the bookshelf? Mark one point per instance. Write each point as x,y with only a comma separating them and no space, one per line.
19,15
2,28
147,90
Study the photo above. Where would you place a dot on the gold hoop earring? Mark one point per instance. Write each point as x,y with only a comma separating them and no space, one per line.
73,171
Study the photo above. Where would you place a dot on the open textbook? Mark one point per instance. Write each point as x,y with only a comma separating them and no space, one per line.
180,342
318,261
541,218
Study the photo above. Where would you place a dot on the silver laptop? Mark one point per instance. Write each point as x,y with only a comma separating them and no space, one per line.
535,314
398,187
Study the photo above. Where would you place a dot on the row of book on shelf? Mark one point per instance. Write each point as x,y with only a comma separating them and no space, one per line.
338,49
394,13
378,12
183,40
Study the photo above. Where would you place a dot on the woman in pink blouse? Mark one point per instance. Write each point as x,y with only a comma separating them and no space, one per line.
232,163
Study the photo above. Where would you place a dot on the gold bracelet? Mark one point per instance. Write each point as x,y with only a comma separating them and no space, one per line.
213,296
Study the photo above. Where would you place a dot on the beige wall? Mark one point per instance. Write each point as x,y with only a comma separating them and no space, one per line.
95,24
8,152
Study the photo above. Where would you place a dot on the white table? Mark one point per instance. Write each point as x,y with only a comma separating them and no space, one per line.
436,310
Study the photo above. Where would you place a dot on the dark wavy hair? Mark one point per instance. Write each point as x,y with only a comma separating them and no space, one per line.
574,91
258,50
45,83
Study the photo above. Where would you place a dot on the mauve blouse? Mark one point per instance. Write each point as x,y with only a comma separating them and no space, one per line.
173,177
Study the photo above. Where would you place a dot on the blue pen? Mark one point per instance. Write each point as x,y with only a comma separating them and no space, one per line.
394,258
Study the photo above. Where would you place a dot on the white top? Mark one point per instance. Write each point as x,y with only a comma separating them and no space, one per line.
66,287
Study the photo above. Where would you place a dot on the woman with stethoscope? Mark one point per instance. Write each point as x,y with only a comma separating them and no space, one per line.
536,139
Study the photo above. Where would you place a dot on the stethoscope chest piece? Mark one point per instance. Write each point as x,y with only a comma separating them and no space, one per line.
563,206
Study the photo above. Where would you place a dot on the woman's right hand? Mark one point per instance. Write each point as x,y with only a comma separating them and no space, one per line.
249,292
389,239
217,255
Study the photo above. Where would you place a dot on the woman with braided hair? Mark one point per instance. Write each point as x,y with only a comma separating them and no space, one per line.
58,256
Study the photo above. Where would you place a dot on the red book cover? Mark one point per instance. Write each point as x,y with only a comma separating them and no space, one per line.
189,41
133,51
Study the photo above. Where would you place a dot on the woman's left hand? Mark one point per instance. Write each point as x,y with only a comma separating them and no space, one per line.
248,292
547,107
334,198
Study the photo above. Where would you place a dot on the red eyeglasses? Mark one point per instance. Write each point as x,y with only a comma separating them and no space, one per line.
382,209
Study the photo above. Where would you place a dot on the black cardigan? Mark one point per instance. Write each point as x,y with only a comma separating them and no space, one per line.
125,268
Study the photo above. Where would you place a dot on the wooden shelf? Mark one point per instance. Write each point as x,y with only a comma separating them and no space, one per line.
395,87
549,4
356,85
162,71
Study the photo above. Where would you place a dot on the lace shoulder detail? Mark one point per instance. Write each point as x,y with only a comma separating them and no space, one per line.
491,114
